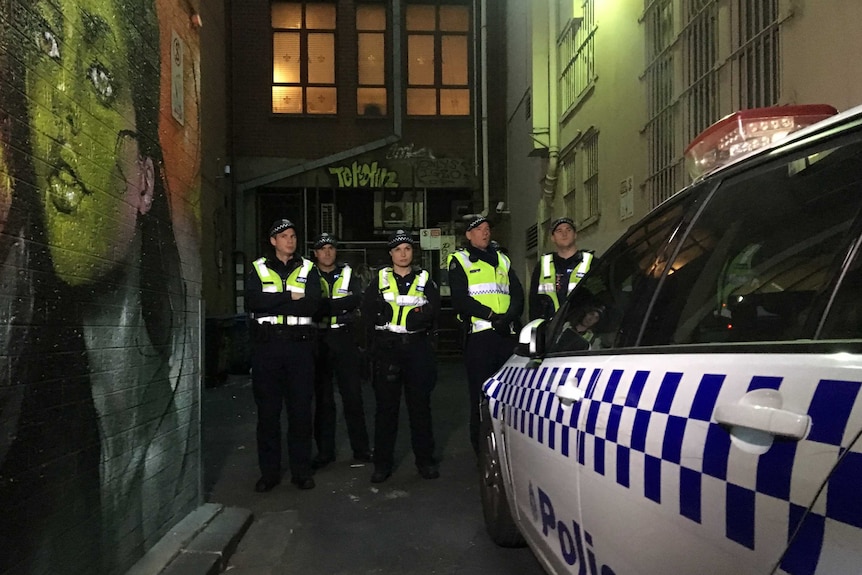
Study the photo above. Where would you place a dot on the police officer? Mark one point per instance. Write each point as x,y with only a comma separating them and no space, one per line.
401,306
283,294
558,273
338,356
488,298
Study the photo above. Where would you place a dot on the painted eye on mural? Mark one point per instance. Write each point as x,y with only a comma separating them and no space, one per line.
47,43
103,82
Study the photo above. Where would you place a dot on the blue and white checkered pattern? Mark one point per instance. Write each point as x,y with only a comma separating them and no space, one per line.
652,432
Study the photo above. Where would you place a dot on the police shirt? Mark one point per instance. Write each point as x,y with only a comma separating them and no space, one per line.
341,307
540,305
377,311
259,302
466,306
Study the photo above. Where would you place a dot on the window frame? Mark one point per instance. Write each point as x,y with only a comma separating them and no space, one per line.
386,58
303,83
439,36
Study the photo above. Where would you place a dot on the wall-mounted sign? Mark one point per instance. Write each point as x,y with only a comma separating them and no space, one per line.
429,238
365,175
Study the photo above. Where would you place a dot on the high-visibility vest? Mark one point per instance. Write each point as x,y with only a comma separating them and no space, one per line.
548,275
271,282
400,304
486,284
340,288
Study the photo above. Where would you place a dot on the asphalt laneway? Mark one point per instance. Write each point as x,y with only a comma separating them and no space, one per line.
347,525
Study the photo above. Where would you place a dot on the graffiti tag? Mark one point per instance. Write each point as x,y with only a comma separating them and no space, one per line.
370,175
397,152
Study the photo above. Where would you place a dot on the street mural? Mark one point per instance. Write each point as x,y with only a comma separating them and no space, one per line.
99,280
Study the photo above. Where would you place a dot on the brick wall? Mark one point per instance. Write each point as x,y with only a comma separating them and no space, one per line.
99,280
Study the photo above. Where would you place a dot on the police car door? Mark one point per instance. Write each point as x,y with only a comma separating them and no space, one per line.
541,409
714,418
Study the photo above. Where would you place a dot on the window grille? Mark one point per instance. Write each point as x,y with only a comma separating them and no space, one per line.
590,159
757,53
576,55
664,169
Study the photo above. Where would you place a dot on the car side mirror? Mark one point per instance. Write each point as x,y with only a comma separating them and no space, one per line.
531,340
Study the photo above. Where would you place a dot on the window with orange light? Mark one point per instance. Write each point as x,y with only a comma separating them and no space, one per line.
438,60
303,63
371,93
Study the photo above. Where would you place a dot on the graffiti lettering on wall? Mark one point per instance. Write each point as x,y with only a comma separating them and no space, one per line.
396,152
370,175
447,172
99,281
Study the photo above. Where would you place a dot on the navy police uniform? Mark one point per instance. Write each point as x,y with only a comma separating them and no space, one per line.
554,277
339,362
283,360
489,299
401,313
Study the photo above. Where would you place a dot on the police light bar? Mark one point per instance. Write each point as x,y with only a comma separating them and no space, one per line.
748,130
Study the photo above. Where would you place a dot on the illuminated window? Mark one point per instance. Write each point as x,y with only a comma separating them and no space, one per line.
371,65
303,64
438,60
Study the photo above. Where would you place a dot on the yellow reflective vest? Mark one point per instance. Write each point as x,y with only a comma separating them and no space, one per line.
401,304
271,282
548,275
340,289
488,286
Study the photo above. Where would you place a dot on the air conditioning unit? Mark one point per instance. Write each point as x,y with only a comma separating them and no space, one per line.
395,209
328,219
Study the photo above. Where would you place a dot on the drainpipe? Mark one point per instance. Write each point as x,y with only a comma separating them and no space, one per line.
550,181
483,31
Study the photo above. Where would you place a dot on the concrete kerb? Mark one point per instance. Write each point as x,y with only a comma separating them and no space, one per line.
200,544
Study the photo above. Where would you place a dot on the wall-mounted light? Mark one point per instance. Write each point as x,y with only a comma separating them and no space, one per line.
196,20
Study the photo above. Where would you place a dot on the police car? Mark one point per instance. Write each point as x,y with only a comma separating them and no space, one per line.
710,420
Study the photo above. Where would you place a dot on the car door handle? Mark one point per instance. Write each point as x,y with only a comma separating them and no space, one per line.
762,410
569,393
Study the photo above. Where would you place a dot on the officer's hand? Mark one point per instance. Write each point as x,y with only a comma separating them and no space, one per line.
296,295
501,324
419,319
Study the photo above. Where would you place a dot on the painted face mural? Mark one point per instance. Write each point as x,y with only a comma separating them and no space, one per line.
94,180
94,297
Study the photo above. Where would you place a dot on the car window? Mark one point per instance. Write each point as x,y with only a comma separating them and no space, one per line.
844,318
607,307
756,263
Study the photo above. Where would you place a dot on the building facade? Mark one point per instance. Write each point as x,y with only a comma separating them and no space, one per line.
359,118
604,97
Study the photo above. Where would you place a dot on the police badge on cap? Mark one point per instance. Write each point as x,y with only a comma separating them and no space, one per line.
560,221
476,222
398,238
279,226
324,239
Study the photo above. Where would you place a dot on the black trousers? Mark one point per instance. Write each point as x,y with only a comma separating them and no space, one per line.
486,352
283,375
403,361
338,356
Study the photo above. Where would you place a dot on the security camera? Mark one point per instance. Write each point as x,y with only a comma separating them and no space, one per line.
500,207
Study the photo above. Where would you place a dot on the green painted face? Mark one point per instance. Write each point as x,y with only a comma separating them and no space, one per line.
92,180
